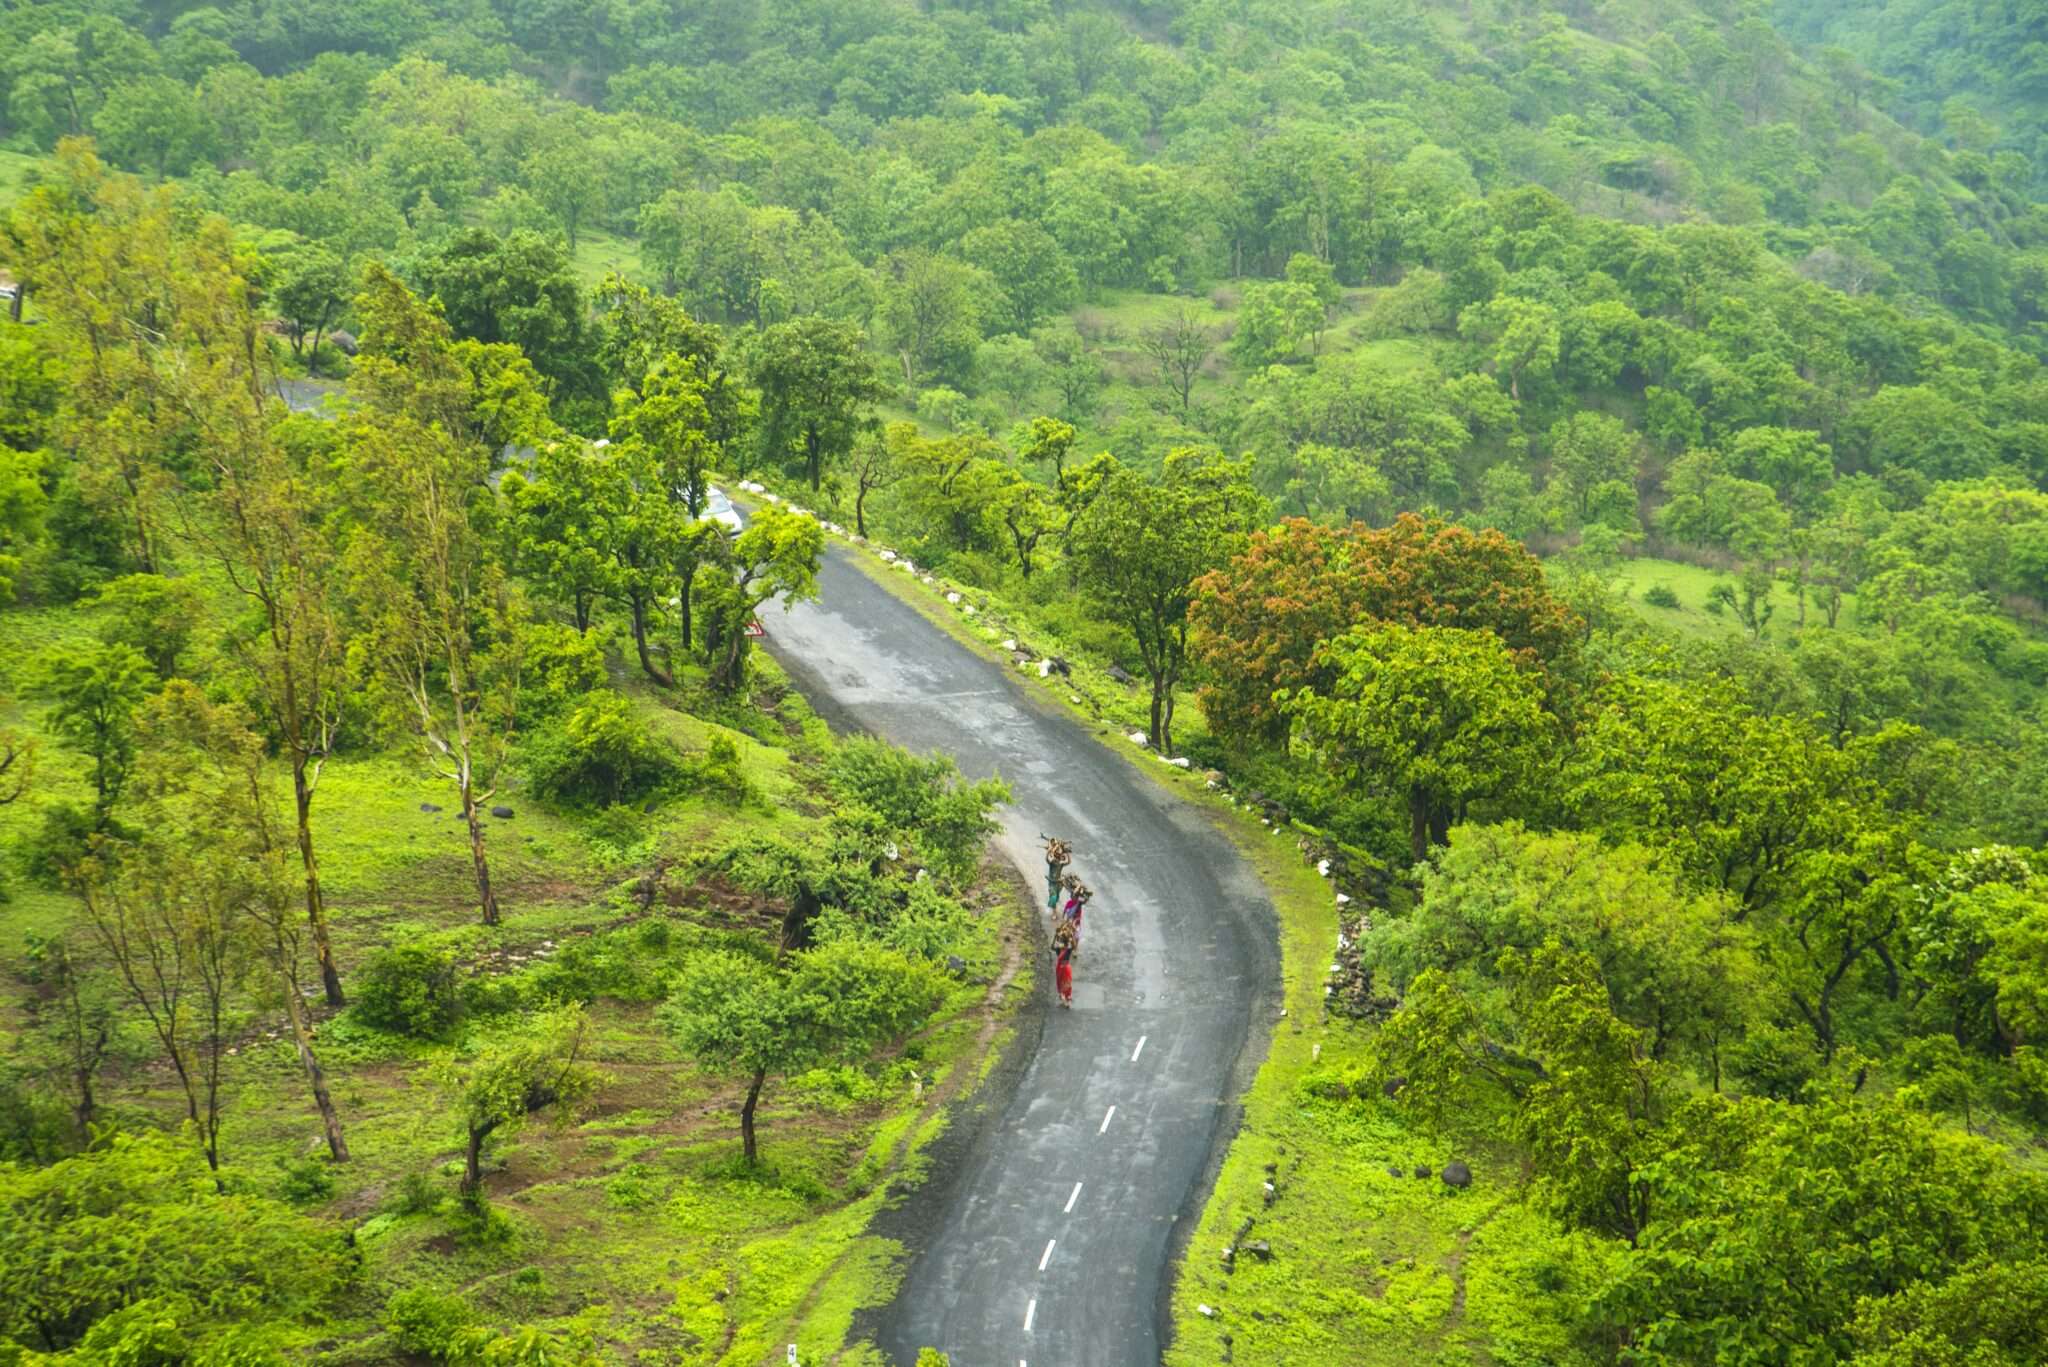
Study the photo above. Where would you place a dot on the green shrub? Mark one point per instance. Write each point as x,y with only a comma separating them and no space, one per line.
416,1194
141,1219
485,994
600,754
560,667
306,1182
58,844
1660,596
718,770
443,1328
408,989
926,799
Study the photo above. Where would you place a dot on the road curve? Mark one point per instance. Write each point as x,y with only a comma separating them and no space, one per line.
1046,1238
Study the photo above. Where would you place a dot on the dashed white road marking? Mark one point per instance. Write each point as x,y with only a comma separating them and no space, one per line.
1071,1199
1030,1313
1105,1121
1140,1049
1046,1257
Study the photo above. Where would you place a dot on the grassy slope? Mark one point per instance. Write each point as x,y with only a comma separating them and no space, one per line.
640,1208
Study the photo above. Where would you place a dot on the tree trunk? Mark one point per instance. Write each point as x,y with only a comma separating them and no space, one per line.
1158,713
316,907
473,1161
1419,824
486,898
814,454
860,515
582,610
638,604
747,1144
337,1147
683,609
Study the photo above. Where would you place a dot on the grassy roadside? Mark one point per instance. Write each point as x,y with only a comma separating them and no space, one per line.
1357,1265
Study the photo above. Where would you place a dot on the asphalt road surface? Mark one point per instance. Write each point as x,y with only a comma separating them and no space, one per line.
1045,1232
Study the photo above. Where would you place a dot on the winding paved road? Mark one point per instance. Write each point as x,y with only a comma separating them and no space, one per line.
1044,1237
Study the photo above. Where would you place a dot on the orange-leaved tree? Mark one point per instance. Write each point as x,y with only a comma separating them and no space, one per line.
1258,620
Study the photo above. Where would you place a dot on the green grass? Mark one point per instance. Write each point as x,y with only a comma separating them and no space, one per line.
598,253
1693,583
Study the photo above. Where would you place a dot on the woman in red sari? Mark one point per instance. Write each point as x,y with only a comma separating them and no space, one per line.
1064,942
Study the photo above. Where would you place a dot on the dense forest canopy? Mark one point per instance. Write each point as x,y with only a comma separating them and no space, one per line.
1581,467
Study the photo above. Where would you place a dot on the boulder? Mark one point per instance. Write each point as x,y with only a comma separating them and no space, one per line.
1120,674
1457,1174
430,807
1393,1171
1423,1170
502,813
1260,1249
1393,1085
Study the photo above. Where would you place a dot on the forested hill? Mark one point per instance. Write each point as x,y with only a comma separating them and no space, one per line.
1159,145
1976,70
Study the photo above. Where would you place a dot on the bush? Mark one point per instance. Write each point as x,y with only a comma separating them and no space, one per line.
408,989
718,769
143,1218
599,755
444,1328
58,844
926,799
561,666
416,1194
1660,596
306,1182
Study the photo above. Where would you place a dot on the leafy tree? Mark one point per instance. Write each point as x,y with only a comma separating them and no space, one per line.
1990,1311
1588,450
1140,547
777,556
1259,619
1521,338
534,1066
1441,716
93,695
1676,964
738,1015
150,614
311,288
518,291
1770,1221
923,796
666,430
931,312
437,626
817,390
1274,322
213,791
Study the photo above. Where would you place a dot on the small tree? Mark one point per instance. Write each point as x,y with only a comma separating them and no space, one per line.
1179,347
439,636
538,1067
94,693
748,1018
1139,547
777,556
874,467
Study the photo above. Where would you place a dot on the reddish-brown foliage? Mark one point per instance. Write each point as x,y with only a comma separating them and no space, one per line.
1258,620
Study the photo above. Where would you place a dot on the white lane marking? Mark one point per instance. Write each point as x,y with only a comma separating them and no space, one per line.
1140,1049
1030,1311
1106,1120
1071,1199
1046,1257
